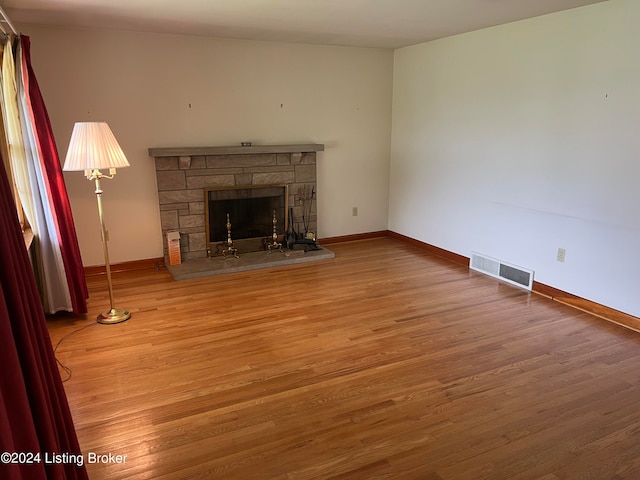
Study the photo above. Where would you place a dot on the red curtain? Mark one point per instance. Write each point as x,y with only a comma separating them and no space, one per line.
34,413
56,189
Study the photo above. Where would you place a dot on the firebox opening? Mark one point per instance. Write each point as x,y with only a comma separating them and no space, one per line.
250,210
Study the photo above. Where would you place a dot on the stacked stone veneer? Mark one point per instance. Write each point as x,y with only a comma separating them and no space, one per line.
182,179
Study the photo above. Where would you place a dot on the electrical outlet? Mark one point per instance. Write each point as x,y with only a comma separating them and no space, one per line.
354,211
562,254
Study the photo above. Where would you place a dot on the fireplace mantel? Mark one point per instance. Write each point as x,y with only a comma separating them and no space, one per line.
234,150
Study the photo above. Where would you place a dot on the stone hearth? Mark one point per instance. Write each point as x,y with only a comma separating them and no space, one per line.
183,174
206,267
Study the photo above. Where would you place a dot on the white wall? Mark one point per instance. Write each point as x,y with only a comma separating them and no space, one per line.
519,139
165,91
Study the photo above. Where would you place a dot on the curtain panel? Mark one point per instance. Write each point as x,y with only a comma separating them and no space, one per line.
56,190
34,413
37,173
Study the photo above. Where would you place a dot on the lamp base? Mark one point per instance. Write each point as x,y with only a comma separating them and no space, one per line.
114,315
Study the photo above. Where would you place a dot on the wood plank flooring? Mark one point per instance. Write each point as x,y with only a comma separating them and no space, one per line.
383,363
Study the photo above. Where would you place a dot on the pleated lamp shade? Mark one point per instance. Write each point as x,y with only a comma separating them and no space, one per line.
93,147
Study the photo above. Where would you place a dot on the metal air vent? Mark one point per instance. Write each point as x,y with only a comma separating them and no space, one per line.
513,274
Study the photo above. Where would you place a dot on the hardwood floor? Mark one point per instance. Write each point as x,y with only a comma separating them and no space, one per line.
383,363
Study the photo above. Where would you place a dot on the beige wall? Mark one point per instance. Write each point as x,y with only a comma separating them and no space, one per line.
165,90
517,140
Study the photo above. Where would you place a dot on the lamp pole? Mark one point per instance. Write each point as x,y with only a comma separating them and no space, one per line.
113,315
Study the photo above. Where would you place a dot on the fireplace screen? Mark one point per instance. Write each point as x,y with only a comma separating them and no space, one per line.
250,210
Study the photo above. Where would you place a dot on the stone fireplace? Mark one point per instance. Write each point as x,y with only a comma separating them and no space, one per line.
186,178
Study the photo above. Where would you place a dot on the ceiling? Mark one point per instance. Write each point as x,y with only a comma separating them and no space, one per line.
360,23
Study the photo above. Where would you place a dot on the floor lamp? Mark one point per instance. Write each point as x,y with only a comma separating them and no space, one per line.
93,148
